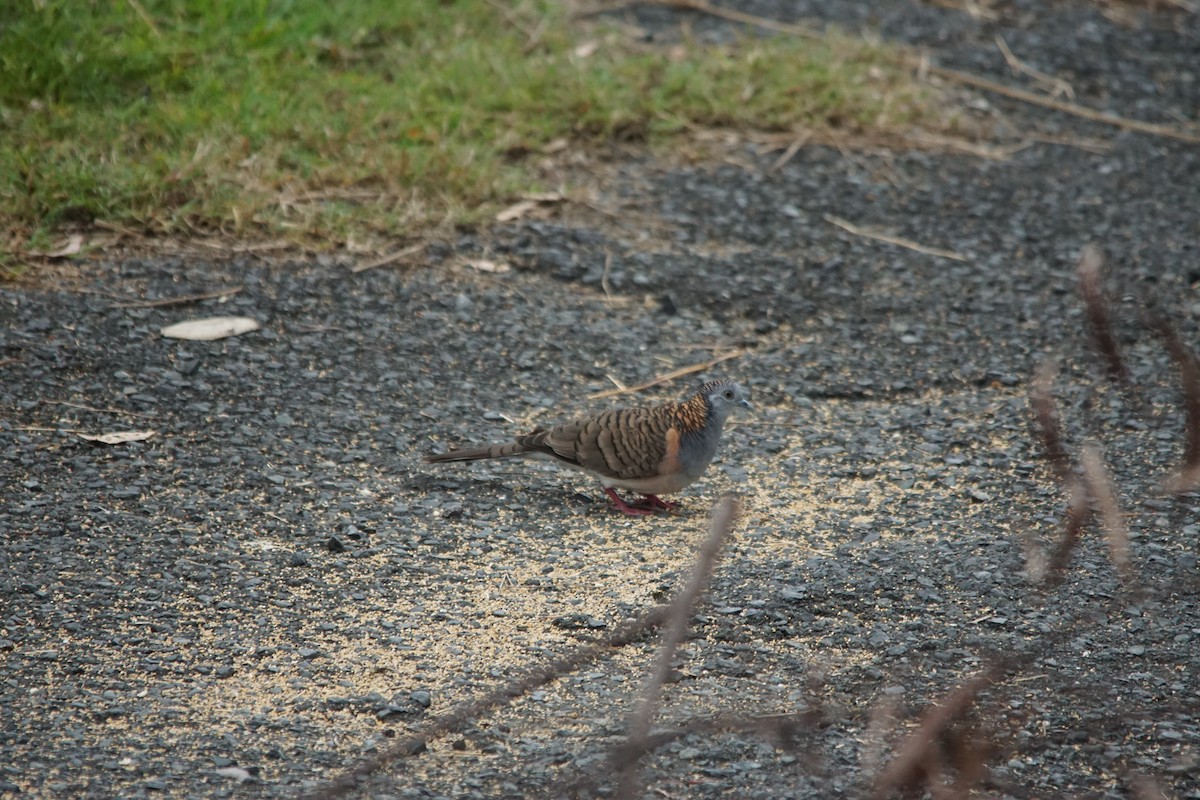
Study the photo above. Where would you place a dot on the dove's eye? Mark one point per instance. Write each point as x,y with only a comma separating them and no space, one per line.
729,394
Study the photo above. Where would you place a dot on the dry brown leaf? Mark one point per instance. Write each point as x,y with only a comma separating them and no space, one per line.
117,437
210,328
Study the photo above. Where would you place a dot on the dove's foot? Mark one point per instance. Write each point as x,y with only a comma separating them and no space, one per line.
625,508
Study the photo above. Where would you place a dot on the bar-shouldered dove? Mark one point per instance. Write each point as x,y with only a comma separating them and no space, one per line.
652,451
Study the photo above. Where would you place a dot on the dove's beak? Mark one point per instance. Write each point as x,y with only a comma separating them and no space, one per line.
744,403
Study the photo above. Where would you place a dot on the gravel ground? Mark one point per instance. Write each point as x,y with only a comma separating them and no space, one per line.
274,586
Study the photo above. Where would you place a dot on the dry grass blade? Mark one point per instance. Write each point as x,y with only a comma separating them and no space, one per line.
1089,268
920,64
1057,86
391,258
104,410
920,759
1189,378
908,244
1104,494
182,300
464,713
1041,398
691,369
1074,109
675,628
732,15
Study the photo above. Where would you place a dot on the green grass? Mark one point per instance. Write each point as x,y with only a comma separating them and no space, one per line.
322,122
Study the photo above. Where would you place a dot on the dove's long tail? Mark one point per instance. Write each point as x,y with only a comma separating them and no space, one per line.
505,450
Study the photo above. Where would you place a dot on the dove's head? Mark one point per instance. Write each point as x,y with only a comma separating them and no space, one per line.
722,396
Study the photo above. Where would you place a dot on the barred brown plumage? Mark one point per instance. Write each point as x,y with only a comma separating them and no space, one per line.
651,450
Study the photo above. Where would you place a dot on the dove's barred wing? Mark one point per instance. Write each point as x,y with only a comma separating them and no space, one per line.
628,443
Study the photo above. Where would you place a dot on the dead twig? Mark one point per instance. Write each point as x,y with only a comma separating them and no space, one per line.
1091,288
713,11
964,78
1061,88
783,728
919,760
181,300
1078,513
1189,378
667,378
465,712
255,247
1104,495
98,410
604,276
1166,131
627,758
391,258
791,150
1041,398
896,240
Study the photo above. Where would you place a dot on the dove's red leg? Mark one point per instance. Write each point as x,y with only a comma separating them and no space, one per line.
654,501
624,507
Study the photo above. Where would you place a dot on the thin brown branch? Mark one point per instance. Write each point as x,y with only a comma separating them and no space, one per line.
1041,398
1104,494
783,729
468,711
700,7
391,258
181,300
1074,109
791,150
1078,513
98,410
1061,88
919,759
253,247
1189,379
966,79
668,377
675,629
43,429
896,240
1091,288
604,277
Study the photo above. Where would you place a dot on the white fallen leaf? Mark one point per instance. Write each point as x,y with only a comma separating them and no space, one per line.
498,267
587,49
237,773
117,437
556,146
210,328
